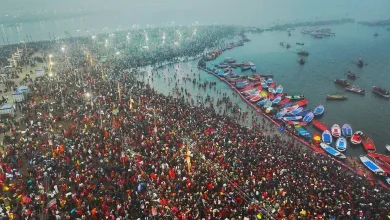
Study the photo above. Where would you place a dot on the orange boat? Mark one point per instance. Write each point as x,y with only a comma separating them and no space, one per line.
319,125
316,138
302,102
384,158
368,144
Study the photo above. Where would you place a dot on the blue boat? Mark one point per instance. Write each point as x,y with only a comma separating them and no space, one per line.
279,89
347,130
270,80
288,104
319,110
253,68
277,100
292,118
341,144
262,102
371,165
271,90
332,151
309,117
327,137
282,113
304,112
295,111
264,85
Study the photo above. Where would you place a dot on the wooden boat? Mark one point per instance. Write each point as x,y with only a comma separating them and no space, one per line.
381,92
342,82
276,100
357,137
253,68
273,85
351,75
282,113
382,164
301,61
319,110
271,96
341,144
279,89
368,144
300,43
292,118
288,104
309,117
229,60
255,99
302,102
356,90
295,111
302,131
326,137
264,94
303,53
336,97
384,158
264,85
330,150
247,64
292,108
319,125
304,113
269,81
371,165
346,129
295,97
245,68
335,130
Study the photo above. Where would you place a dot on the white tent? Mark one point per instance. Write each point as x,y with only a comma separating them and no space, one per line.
7,109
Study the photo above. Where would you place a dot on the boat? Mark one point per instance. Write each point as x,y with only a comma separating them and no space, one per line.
290,108
303,102
381,92
295,111
302,131
387,180
336,97
269,81
309,117
271,96
376,35
288,104
388,147
304,113
303,53
382,157
371,165
245,68
276,100
360,63
264,94
316,138
282,113
368,144
342,82
301,61
279,89
330,150
255,99
355,90
247,64
319,125
346,130
229,60
300,43
253,68
319,110
327,137
273,85
262,102
271,90
297,123
351,75
295,97
264,85
357,137
341,144
336,131
292,118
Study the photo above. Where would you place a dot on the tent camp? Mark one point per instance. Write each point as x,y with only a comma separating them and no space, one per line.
7,109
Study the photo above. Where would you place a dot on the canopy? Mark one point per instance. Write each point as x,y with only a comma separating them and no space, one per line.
6,106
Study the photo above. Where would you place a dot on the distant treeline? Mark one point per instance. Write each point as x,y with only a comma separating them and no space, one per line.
385,22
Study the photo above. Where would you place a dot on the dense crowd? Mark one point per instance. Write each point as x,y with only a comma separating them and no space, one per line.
116,149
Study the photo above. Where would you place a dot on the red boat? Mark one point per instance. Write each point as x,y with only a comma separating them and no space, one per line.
273,85
384,158
302,102
357,137
271,96
382,164
284,101
319,125
301,123
368,144
255,99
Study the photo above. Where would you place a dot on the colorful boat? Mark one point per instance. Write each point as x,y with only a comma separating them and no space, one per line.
279,89
327,137
330,150
371,165
268,110
357,137
295,111
368,144
303,102
271,90
304,124
253,68
302,131
355,90
271,96
347,130
319,125
284,101
262,102
273,85
384,158
295,97
264,94
292,118
341,144
319,110
264,85
288,104
276,100
282,113
336,131
269,81
292,108
388,147
304,112
316,138
336,97
255,99
309,117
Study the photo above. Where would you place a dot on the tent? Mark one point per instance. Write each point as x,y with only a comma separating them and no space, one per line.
39,72
18,96
24,89
7,109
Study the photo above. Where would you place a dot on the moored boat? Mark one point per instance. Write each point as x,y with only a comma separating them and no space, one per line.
335,130
330,150
319,110
357,137
262,102
304,112
316,138
284,101
282,113
342,82
371,165
295,97
381,92
341,144
319,125
303,53
368,144
346,129
255,99
295,111
309,117
351,75
279,89
273,85
276,100
303,102
292,118
253,68
382,157
245,68
336,97
298,43
297,123
229,60
269,81
355,90
302,131
301,61
327,137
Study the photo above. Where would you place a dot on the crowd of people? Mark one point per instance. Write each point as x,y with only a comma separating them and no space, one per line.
91,146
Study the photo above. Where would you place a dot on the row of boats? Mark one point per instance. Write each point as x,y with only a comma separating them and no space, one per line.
355,89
